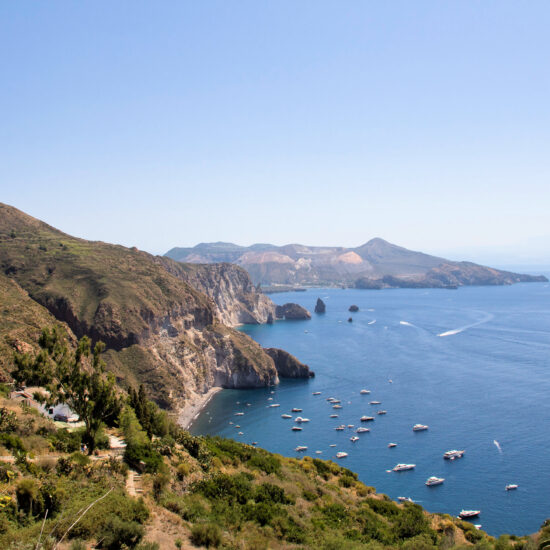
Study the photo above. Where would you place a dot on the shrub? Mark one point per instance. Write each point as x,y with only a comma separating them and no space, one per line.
77,545
182,470
118,533
346,481
8,420
265,462
208,535
66,442
267,492
12,442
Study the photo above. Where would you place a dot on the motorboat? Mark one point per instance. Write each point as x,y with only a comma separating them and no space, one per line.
239,414
273,405
296,410
382,412
334,416
467,514
335,401
451,455
341,454
340,428
299,419
419,427
364,392
405,499
240,433
434,481
254,443
316,393
511,487
286,416
333,445
375,402
318,452
270,398
236,426
392,445
361,430
351,425
296,429
367,418
403,467
336,406
354,439
300,448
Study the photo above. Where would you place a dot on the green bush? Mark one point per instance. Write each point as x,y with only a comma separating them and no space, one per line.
117,533
208,535
8,420
12,442
65,441
265,462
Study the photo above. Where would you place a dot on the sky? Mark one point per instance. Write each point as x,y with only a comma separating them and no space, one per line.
162,124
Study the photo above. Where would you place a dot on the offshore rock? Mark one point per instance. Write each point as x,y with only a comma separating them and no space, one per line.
353,308
287,365
292,311
320,306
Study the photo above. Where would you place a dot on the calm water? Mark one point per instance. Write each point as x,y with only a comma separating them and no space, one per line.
486,381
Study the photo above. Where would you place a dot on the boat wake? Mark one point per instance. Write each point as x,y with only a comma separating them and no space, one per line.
488,317
407,324
371,322
497,444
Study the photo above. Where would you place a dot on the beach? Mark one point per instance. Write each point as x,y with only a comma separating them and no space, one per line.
195,405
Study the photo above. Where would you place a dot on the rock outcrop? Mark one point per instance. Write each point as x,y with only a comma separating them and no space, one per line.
292,312
353,308
287,365
320,306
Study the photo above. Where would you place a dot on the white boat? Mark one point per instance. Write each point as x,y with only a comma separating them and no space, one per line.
318,452
405,499
364,392
511,487
270,398
300,448
330,399
334,416
239,414
316,393
392,445
434,481
273,405
340,428
341,454
337,406
333,445
375,402
382,412
335,401
361,430
240,433
354,439
286,416
367,418
296,410
467,514
351,425
403,467
299,419
237,426
419,427
296,429
453,454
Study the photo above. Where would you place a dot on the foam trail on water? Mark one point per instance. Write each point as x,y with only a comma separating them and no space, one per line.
371,322
406,323
488,317
498,446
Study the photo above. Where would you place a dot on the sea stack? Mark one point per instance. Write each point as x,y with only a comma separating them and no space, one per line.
320,306
353,308
292,312
350,320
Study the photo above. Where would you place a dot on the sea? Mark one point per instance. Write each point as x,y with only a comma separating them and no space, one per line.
472,364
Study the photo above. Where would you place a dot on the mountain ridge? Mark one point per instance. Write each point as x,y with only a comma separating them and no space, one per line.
375,264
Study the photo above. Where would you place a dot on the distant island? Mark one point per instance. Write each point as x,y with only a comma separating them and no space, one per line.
376,264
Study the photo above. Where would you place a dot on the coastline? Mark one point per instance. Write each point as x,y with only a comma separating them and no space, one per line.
188,414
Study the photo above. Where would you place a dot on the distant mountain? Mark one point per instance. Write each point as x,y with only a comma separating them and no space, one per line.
376,264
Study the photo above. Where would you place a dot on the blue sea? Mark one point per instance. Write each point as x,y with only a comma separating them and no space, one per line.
473,364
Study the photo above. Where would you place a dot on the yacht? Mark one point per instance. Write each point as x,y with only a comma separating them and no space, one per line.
333,445
273,405
300,448
511,487
382,412
296,429
296,410
318,452
316,393
286,416
419,427
403,467
240,433
375,402
335,401
270,398
299,419
434,481
334,416
367,418
453,454
341,454
236,426
364,392
340,428
239,414
336,406
467,514
405,499
392,445
354,439
361,430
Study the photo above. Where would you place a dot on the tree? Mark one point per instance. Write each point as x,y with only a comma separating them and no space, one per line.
74,378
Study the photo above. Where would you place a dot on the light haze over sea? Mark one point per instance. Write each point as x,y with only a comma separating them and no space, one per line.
485,382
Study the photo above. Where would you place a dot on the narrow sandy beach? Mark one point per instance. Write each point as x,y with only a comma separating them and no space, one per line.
190,412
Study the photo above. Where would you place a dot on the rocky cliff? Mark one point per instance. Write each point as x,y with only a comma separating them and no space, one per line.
287,365
294,312
159,329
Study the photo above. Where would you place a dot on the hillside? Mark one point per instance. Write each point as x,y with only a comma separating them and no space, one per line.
159,329
199,492
376,264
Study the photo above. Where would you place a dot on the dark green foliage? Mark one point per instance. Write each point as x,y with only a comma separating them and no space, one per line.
383,507
152,419
117,533
265,462
208,535
235,488
65,441
8,420
335,515
12,442
412,522
323,468
267,492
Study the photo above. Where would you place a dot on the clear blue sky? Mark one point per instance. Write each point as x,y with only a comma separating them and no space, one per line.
161,124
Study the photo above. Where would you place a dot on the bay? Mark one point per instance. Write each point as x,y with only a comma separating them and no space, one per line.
473,364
